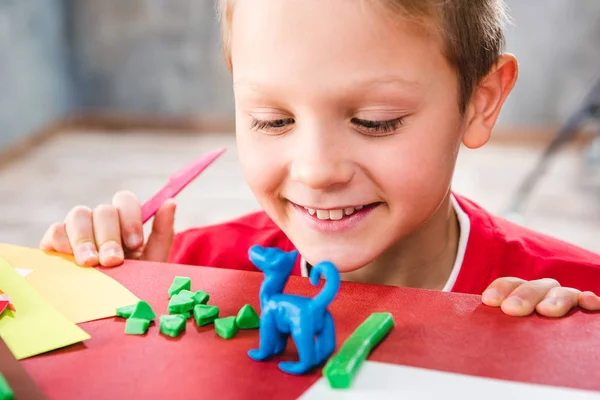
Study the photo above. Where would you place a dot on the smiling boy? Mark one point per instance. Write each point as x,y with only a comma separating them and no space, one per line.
349,119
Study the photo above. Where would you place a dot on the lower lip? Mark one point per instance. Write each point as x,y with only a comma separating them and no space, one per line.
327,225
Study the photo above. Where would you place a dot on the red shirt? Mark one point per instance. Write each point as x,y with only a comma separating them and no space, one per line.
495,248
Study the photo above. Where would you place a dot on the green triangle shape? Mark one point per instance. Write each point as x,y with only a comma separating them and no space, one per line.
143,311
186,293
125,311
180,303
201,297
205,314
172,325
226,327
136,326
180,283
247,318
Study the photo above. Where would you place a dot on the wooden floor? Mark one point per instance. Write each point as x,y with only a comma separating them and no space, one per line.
87,168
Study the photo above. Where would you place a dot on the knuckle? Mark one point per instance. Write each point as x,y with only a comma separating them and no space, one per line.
512,280
105,210
57,230
507,284
560,291
124,196
79,211
528,291
132,227
549,282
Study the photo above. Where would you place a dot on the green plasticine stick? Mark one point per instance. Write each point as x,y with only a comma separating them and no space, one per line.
342,367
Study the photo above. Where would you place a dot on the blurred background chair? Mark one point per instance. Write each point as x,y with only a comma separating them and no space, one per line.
587,110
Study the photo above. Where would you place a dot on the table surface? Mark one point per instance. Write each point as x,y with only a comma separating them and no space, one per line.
436,330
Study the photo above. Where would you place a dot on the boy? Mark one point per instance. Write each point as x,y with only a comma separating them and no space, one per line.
350,115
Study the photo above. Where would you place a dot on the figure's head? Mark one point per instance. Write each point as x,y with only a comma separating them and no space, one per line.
273,260
350,114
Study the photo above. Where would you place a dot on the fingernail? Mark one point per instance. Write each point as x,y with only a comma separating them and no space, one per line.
514,301
111,250
491,294
553,301
87,251
134,240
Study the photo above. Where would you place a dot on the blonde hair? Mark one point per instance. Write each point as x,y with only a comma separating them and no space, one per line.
471,32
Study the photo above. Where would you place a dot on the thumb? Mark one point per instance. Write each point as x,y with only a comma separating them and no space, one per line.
160,240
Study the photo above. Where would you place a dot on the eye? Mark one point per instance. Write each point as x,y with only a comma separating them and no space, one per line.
273,125
378,126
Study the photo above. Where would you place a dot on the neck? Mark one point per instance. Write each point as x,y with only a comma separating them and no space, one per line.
423,260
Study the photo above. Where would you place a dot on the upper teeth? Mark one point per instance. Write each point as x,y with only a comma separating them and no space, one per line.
333,214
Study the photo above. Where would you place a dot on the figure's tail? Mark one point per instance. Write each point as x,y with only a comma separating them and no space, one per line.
332,283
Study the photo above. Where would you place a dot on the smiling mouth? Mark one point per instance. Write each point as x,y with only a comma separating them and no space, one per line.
337,214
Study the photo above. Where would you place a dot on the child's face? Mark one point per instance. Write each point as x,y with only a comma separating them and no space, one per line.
339,108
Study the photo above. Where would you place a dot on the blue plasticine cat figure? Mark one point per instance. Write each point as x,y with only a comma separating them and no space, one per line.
306,320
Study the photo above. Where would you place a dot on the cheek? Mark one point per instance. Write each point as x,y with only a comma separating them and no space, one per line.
418,167
263,170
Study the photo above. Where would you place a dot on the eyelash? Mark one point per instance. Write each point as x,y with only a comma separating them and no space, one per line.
379,126
370,126
274,124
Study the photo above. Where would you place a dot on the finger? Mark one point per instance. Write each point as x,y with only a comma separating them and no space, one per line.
523,300
56,239
163,231
130,217
107,231
499,290
78,225
558,302
589,301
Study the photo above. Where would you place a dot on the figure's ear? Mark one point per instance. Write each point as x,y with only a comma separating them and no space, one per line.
272,258
487,101
256,254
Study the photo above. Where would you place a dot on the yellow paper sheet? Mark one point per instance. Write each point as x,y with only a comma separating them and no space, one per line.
80,293
35,327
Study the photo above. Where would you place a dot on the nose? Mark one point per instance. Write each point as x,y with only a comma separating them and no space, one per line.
320,163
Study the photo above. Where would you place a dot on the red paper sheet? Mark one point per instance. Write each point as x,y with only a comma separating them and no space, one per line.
436,330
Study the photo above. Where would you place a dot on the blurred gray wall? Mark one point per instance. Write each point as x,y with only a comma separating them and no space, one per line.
35,84
557,43
157,56
164,57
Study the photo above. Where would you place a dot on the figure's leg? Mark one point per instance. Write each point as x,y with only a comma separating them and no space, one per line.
305,344
280,344
268,339
325,344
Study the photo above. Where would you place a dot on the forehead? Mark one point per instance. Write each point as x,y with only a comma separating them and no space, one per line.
328,41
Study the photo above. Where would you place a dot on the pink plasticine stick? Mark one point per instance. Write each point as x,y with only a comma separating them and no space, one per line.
3,305
177,182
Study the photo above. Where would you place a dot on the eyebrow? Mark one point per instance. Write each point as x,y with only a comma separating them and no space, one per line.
358,83
387,80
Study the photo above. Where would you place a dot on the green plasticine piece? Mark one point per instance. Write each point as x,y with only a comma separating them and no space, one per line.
247,318
342,367
143,311
172,325
136,326
226,327
199,296
180,283
186,293
205,314
185,315
6,392
180,304
125,311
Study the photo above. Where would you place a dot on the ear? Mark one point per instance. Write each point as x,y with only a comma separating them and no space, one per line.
487,101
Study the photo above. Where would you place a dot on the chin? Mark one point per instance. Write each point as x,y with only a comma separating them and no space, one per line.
344,260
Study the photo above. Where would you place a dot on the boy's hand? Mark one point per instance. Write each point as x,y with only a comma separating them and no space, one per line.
519,297
110,233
